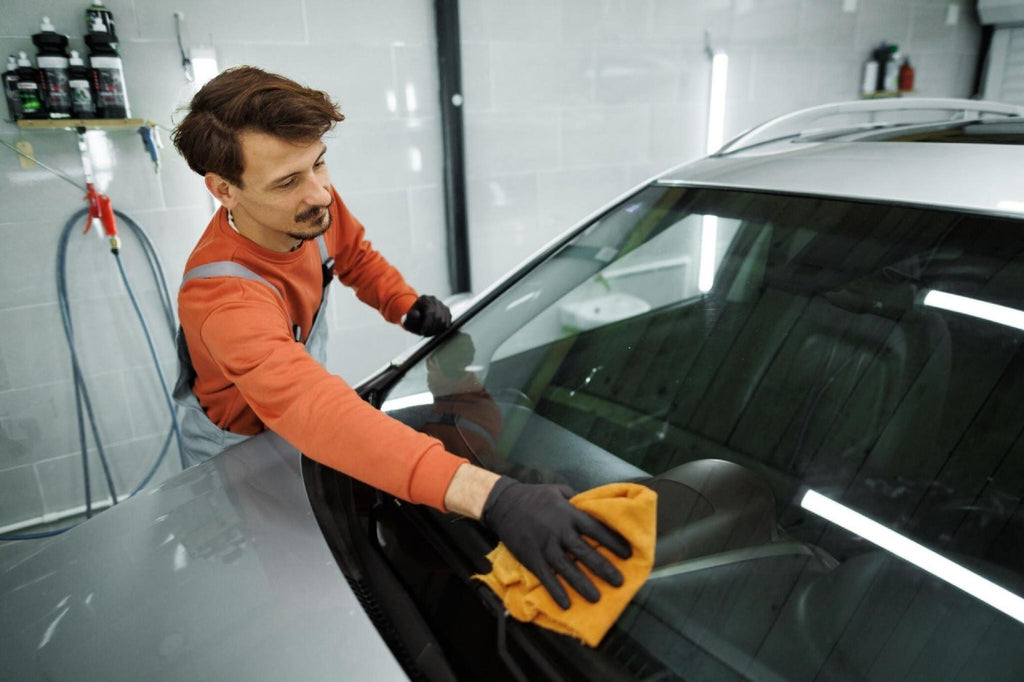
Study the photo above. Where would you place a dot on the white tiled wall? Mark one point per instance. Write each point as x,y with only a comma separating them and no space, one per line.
376,59
568,103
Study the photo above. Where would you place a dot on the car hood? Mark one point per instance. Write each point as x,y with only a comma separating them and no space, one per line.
220,573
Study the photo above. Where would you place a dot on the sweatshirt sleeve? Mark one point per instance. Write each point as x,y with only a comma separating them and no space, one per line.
357,265
315,411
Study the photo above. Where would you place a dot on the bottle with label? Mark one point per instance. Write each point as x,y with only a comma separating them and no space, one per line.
869,80
107,73
83,103
891,73
28,89
880,56
52,60
906,78
97,10
11,89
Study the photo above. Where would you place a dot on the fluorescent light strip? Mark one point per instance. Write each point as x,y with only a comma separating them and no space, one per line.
716,103
1000,314
708,243
413,400
973,584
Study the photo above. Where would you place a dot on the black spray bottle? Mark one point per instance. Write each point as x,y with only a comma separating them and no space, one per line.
11,89
28,89
83,101
97,10
108,73
52,60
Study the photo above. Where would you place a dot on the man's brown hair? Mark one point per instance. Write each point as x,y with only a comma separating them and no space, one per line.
244,98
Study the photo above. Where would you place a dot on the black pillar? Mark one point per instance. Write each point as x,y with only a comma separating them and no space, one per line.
449,68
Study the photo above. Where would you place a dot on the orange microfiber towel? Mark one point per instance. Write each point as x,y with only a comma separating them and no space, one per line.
629,508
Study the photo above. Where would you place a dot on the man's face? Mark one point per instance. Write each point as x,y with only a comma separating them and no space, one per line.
285,191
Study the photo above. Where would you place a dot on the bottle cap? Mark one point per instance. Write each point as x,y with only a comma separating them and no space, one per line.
47,26
75,59
98,26
23,59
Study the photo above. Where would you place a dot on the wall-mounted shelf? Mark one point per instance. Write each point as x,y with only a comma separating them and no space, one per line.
76,123
886,94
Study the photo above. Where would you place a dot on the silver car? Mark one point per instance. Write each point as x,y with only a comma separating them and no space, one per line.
810,344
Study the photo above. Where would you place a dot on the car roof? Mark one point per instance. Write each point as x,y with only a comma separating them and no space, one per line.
960,154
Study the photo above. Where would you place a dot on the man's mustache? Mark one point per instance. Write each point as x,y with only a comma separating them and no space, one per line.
310,213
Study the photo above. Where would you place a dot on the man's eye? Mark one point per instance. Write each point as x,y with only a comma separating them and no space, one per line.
286,184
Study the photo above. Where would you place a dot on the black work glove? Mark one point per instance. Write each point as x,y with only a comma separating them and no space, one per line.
428,317
544,531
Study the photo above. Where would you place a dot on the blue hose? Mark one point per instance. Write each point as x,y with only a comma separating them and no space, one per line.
83,404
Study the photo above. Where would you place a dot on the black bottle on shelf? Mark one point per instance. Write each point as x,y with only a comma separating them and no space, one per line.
83,100
28,89
52,60
107,73
11,89
97,10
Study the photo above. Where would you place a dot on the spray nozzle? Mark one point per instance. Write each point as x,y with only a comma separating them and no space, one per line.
100,209
151,141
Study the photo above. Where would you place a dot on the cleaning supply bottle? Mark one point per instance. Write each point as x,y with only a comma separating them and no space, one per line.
891,72
869,80
11,89
83,102
108,73
906,77
28,89
97,10
52,60
880,56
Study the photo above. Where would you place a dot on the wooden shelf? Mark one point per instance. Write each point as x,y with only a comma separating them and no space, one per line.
885,94
75,123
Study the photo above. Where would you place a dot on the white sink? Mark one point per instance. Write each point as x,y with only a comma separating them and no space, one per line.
597,312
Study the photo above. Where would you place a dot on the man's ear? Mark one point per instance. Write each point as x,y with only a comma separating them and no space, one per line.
222,190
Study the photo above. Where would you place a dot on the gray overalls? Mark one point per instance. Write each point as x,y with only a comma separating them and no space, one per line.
201,438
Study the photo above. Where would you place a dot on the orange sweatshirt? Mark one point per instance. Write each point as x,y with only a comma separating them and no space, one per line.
252,374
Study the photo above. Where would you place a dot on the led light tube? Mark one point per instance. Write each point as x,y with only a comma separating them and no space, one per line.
1000,314
708,244
953,573
413,400
716,101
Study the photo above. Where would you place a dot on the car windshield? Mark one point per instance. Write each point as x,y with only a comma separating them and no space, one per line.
828,397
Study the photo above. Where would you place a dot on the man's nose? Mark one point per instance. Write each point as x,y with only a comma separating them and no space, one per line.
317,192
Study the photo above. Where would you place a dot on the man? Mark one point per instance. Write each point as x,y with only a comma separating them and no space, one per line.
252,328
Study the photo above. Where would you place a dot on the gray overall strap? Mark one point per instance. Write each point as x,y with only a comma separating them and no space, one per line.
229,268
321,244
201,438
225,268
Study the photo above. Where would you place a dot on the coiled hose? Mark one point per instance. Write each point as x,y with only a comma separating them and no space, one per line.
83,404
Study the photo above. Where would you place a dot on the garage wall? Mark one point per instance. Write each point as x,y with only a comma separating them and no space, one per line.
567,103
570,103
375,58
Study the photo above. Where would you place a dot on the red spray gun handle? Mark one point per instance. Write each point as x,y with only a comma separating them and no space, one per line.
99,207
